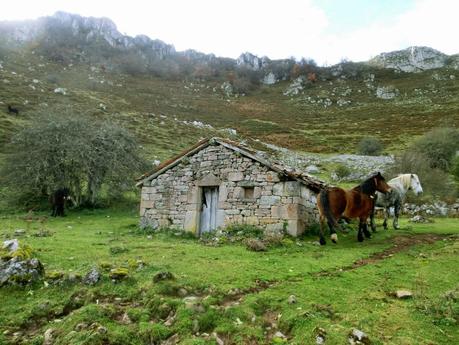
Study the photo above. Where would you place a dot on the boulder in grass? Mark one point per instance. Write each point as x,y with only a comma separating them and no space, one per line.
403,294
356,336
17,271
118,274
163,275
11,245
92,277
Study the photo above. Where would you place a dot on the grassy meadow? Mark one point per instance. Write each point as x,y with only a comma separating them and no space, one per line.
228,292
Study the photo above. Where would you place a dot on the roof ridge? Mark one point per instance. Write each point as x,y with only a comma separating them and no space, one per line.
312,182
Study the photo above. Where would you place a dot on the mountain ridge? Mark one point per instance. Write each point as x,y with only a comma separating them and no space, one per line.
92,27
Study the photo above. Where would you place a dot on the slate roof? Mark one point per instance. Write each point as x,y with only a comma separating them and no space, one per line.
308,180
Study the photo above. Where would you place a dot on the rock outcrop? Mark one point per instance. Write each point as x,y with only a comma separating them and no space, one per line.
413,59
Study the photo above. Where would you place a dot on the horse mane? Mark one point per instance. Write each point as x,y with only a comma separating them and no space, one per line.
368,186
404,179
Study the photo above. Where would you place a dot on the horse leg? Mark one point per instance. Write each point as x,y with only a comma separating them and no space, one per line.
372,220
365,229
360,234
397,208
321,233
386,215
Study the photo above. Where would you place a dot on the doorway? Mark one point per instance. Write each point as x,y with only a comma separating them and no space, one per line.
208,219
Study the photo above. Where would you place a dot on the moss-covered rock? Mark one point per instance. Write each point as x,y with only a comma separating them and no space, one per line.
163,275
54,275
118,274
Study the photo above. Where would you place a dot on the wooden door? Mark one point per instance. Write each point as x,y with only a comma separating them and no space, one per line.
208,221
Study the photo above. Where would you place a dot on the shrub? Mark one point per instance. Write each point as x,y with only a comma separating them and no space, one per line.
66,149
370,146
439,146
455,168
342,171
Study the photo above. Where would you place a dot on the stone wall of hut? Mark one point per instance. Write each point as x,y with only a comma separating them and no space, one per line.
249,193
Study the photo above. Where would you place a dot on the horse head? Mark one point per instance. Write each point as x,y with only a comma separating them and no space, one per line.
381,184
415,184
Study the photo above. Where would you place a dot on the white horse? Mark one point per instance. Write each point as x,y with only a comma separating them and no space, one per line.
400,185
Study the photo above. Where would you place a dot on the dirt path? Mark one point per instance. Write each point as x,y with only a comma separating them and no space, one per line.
399,244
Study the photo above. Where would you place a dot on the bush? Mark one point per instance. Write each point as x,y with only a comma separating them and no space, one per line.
455,168
66,149
370,146
439,146
342,171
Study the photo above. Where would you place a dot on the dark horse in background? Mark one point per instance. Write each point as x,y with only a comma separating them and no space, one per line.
335,203
12,110
57,200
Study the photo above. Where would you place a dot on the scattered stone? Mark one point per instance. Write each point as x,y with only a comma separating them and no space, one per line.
81,326
54,277
255,245
102,330
106,266
403,294
11,245
118,274
19,232
356,336
270,79
170,319
195,326
218,339
92,277
182,292
60,90
280,335
291,299
320,336
227,88
48,337
172,340
194,303
125,319
420,219
18,271
163,275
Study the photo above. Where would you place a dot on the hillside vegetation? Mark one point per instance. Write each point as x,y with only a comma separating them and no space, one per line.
170,99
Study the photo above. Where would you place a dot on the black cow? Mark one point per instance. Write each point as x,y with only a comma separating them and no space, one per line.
58,199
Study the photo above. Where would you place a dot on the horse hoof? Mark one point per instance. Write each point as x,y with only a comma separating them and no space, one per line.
322,242
360,238
334,238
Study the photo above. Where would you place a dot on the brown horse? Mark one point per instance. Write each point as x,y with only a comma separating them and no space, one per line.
335,203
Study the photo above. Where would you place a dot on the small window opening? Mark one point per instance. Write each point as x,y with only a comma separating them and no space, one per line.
248,192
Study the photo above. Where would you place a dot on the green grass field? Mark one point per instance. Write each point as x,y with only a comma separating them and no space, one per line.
241,296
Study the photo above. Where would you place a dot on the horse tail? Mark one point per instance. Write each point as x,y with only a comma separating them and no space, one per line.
327,214
325,202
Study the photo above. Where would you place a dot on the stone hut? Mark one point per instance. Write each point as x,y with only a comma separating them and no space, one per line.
218,182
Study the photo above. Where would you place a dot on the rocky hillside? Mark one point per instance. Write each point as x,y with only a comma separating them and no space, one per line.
170,99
